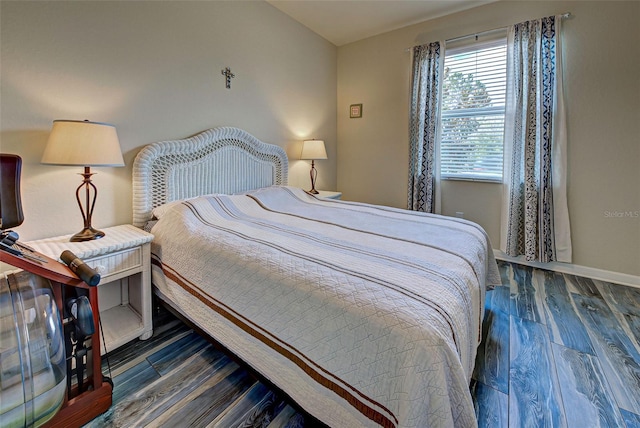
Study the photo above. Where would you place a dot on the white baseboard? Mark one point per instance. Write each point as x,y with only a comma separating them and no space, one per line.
588,272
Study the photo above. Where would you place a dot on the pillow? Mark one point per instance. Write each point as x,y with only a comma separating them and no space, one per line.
161,210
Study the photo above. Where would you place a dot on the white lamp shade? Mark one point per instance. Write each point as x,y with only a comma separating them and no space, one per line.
313,149
82,143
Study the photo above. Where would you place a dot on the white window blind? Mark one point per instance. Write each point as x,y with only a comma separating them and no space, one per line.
473,110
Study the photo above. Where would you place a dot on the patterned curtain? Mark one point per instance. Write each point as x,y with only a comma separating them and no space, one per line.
423,127
535,216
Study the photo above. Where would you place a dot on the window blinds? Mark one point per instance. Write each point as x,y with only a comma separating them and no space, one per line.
473,110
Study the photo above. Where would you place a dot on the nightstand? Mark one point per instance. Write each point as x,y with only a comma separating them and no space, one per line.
329,195
123,259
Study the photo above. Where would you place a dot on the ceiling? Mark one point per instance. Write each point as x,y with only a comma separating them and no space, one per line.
346,21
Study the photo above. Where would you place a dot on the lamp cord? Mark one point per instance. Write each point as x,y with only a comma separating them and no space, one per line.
106,353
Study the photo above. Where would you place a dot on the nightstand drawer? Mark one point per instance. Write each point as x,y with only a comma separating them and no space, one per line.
117,263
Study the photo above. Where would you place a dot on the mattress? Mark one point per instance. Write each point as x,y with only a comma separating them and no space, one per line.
364,315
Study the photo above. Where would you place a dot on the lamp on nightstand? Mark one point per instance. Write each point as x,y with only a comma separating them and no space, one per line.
83,143
312,150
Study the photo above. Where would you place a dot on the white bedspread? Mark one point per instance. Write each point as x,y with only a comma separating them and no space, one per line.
364,315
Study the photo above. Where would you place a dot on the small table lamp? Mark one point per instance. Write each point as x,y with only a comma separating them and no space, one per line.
312,150
83,143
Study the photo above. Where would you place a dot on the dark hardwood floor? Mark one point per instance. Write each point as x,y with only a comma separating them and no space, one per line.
558,351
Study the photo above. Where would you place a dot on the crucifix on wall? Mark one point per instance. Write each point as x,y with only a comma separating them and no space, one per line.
228,76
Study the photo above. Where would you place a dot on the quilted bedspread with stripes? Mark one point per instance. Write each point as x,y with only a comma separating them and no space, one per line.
364,315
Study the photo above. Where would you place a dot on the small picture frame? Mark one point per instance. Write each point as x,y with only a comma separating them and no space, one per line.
355,110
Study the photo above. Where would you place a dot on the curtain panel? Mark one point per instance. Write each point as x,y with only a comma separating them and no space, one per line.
423,128
535,219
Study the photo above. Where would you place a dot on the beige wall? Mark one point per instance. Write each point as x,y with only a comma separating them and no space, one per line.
602,69
153,70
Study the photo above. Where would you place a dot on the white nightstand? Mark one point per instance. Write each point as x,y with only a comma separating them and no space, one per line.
329,195
123,259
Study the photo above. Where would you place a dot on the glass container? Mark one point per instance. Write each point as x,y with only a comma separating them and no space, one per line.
32,354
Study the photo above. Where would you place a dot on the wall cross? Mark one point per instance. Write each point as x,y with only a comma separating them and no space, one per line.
228,76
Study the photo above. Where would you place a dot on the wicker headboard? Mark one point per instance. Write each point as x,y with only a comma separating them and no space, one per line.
218,160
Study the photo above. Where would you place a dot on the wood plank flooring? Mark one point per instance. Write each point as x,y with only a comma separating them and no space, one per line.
557,351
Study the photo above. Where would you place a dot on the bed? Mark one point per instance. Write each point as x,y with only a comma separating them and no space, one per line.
364,315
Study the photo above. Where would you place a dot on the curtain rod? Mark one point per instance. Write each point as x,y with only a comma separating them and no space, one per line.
563,16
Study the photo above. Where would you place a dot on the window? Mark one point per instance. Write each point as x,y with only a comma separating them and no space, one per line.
473,110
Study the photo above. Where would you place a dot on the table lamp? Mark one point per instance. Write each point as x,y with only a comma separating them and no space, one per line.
312,150
87,144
